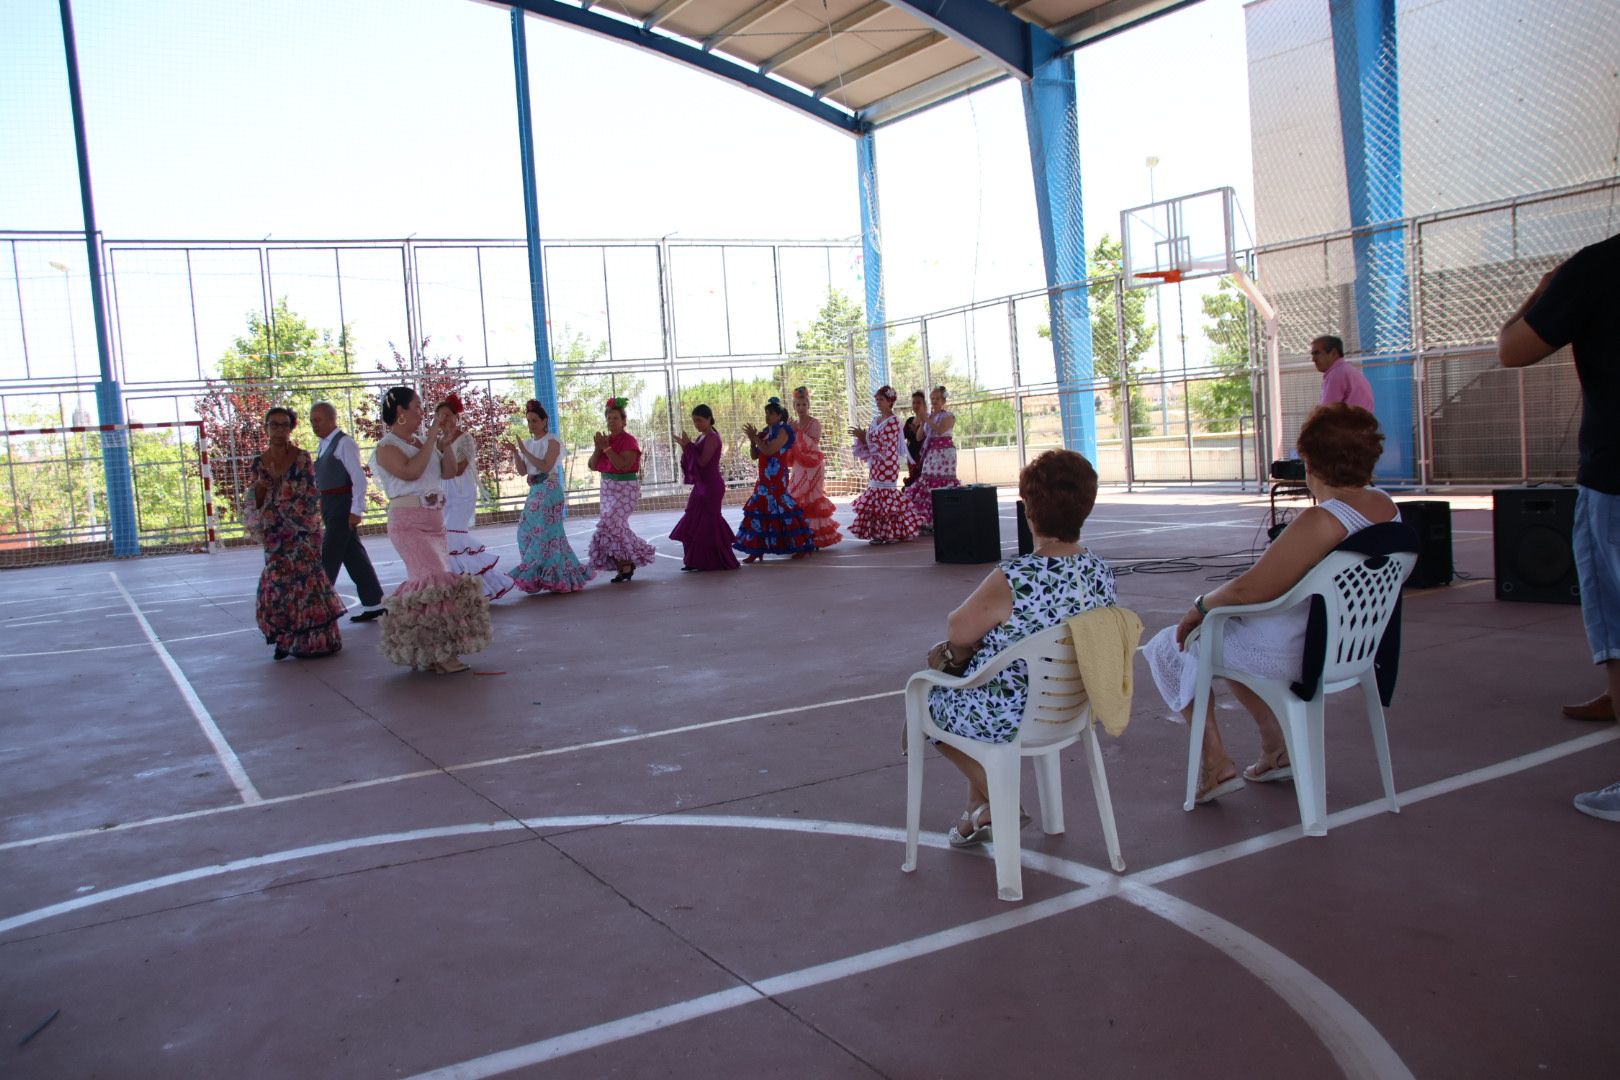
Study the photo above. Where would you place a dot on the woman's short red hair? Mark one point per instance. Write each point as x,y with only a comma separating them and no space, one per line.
1059,488
1341,444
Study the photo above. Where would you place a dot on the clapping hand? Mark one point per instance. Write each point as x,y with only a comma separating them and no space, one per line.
859,433
683,439
601,440
751,431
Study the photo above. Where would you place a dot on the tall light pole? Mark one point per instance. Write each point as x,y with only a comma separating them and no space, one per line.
1158,316
80,418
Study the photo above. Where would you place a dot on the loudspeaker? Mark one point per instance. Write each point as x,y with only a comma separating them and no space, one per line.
1535,560
1026,539
967,525
1432,520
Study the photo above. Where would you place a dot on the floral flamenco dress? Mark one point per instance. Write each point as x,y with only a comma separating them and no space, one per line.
1046,590
549,563
938,471
772,522
703,532
883,513
806,484
467,555
435,615
613,542
297,609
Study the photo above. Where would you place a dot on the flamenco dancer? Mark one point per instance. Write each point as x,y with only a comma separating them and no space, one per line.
435,616
297,610
703,531
916,438
467,556
549,563
938,459
772,522
807,480
618,459
883,514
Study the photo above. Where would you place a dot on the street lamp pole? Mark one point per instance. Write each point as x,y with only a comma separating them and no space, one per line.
1158,317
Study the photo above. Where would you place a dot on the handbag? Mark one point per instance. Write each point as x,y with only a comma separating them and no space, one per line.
953,662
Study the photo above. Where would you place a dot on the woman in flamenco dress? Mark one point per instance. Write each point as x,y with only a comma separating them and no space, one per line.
883,514
772,522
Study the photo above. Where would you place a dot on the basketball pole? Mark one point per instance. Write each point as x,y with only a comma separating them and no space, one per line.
1273,336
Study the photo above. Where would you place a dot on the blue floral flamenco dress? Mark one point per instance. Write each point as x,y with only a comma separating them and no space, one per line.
772,522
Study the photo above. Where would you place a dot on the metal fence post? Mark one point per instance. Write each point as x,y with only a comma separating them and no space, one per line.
1127,446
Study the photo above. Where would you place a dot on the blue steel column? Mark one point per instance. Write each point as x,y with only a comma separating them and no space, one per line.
1052,117
545,379
877,339
109,397
1367,63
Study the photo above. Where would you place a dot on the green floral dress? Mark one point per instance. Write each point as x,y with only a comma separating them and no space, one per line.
1045,591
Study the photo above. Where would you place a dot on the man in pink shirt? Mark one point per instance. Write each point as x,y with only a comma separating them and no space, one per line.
1340,381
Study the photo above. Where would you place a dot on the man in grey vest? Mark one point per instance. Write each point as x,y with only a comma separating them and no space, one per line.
343,503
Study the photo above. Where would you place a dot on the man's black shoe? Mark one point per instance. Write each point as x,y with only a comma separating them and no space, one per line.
367,616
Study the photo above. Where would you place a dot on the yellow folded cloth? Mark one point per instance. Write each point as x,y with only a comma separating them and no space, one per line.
1105,641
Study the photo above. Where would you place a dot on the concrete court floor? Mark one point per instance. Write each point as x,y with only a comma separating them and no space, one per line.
655,834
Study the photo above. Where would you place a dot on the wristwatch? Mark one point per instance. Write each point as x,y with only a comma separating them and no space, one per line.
1198,602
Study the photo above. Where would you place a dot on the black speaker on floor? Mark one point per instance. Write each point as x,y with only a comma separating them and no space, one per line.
967,524
1535,560
1432,520
1026,539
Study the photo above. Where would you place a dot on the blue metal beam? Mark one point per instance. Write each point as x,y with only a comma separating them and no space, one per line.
677,49
1051,116
109,396
994,33
545,378
1366,60
877,338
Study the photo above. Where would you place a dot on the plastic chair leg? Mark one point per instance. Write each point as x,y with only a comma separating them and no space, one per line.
1105,802
1195,741
1001,771
1307,752
1380,735
914,785
1049,785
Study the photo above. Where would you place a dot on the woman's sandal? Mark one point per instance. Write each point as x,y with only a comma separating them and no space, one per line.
450,667
1210,789
1273,765
978,831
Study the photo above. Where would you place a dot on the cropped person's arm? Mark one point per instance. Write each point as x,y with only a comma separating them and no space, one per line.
986,608
1518,345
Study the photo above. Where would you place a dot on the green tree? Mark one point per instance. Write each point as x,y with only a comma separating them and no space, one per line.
1107,261
1220,402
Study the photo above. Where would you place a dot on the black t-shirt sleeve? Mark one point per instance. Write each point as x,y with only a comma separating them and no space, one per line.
1557,318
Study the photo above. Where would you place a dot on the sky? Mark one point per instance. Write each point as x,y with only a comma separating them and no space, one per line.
391,118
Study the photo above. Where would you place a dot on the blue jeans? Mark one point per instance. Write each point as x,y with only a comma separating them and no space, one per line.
1597,560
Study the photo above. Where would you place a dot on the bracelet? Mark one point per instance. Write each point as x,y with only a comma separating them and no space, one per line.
1198,602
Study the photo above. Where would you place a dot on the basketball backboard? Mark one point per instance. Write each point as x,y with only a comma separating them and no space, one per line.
1177,239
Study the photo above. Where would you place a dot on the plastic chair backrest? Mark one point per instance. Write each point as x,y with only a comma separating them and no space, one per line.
1056,693
1359,593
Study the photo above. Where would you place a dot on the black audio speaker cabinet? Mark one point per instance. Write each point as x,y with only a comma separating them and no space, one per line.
1026,539
1432,520
1534,559
967,525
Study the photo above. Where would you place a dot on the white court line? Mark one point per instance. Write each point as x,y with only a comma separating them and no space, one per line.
126,645
216,738
1355,1044
167,819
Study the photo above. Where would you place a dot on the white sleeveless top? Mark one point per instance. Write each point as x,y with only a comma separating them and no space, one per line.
429,483
465,486
1352,519
538,447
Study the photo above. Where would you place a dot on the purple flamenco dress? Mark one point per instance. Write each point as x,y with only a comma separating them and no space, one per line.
703,531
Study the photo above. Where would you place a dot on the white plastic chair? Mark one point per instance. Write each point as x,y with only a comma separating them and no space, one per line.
1359,592
1056,715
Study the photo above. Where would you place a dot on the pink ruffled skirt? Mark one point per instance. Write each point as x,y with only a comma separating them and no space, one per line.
435,615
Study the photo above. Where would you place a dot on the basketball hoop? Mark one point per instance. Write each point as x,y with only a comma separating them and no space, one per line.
1164,277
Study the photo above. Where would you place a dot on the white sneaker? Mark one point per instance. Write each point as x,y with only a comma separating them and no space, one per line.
1603,803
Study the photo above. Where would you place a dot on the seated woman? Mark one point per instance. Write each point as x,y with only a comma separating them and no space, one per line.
1022,596
1340,445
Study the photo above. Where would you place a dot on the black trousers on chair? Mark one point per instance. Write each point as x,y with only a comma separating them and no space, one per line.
341,547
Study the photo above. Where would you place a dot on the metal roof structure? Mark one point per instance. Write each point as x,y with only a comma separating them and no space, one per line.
856,64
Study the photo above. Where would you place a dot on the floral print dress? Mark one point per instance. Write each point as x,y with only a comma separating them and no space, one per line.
1045,592
297,609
